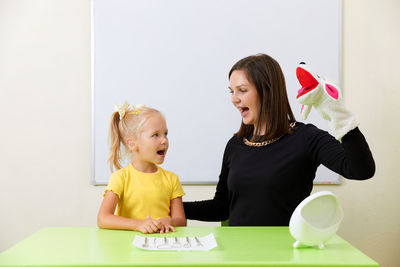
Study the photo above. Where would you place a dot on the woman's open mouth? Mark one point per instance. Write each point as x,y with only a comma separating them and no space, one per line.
244,111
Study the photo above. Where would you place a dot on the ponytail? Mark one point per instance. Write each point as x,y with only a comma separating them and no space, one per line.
115,143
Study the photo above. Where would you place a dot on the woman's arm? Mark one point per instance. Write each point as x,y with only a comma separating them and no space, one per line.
358,155
216,209
350,158
106,218
213,210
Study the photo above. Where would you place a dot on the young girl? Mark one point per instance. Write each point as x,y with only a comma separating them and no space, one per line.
149,198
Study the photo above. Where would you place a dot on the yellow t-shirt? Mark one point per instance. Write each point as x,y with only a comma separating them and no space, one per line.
141,194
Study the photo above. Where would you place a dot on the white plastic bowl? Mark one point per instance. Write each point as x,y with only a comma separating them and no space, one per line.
316,219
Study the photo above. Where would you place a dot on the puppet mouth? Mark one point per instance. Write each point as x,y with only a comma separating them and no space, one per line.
307,81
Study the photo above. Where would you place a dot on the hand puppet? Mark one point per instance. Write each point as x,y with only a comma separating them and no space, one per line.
316,91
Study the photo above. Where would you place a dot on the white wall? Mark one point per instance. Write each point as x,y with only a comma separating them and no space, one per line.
45,121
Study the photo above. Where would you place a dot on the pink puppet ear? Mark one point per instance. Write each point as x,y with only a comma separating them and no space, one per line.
332,91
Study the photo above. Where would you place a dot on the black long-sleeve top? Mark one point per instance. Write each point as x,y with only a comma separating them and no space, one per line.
262,186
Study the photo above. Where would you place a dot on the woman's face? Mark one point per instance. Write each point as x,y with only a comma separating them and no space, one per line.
244,97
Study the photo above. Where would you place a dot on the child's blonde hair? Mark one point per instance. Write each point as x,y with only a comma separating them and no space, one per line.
125,123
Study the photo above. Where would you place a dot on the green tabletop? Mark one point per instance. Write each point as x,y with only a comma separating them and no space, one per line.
237,246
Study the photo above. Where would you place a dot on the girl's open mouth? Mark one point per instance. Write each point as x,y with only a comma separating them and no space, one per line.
161,152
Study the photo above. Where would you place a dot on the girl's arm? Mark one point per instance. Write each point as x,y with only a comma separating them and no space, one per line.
177,216
106,218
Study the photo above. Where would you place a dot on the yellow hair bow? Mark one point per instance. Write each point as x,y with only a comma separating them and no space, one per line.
136,108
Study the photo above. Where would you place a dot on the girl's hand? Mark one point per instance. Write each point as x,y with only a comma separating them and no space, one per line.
166,225
149,225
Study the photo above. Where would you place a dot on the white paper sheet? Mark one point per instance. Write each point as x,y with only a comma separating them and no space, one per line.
204,243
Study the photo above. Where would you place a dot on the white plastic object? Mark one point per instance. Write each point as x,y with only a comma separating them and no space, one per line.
316,219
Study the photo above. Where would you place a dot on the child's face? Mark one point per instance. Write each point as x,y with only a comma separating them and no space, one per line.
152,143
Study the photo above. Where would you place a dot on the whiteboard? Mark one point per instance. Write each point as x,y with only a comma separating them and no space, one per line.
175,56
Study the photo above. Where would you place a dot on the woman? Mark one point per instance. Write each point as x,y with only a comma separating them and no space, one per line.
269,165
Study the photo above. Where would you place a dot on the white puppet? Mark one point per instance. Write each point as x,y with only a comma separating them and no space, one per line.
325,97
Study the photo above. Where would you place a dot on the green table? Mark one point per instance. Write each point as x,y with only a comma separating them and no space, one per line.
237,246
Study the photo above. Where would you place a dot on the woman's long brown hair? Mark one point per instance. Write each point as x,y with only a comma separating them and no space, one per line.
266,75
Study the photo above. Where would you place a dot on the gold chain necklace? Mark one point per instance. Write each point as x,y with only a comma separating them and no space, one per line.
266,142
